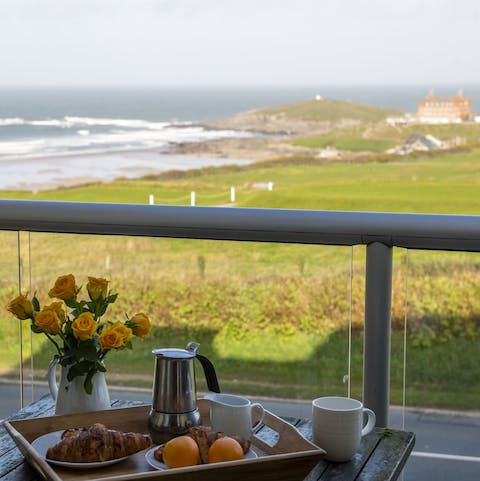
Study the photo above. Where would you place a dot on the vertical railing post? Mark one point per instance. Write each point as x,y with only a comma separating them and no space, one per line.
378,306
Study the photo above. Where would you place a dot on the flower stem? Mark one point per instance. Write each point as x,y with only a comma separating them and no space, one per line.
54,342
67,344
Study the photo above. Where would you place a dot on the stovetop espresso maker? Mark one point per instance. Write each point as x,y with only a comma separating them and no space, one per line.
174,404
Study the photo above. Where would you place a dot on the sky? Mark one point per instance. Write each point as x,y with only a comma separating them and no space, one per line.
238,42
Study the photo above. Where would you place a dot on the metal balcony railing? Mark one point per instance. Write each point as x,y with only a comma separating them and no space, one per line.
380,232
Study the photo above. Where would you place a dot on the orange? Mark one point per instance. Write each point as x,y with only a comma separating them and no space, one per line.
225,449
181,451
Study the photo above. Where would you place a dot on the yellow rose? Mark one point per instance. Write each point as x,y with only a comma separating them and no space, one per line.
21,307
84,326
110,339
64,288
48,321
97,288
57,307
141,326
124,331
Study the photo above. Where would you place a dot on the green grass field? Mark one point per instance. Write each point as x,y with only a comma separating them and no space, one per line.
274,317
378,137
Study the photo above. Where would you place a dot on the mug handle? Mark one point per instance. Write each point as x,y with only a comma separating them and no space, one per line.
260,408
371,421
52,380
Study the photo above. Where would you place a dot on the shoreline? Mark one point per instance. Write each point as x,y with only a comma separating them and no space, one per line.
77,170
71,170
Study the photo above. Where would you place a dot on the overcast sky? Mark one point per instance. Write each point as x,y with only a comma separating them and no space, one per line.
239,42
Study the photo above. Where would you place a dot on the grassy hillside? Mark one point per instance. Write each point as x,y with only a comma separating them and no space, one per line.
307,117
330,110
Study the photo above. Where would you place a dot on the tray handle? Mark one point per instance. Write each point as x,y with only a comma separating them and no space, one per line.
289,438
30,454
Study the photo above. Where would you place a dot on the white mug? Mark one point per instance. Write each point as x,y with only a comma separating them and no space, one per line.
232,415
338,426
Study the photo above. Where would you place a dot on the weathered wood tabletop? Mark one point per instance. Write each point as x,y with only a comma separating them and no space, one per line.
382,454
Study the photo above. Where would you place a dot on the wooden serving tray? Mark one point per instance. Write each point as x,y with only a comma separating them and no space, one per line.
291,458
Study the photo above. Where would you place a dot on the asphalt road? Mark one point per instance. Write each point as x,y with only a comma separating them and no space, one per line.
447,443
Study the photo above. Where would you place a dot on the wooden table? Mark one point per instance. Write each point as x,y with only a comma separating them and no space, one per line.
381,456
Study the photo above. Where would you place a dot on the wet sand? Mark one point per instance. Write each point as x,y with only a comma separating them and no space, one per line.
53,172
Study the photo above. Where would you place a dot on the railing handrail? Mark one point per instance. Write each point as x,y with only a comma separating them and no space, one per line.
414,231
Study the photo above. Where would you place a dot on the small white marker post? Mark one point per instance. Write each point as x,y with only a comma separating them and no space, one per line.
270,186
232,194
192,198
150,199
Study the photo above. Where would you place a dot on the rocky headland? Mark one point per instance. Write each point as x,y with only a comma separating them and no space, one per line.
273,129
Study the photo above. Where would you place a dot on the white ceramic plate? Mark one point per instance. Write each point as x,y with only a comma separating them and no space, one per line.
42,443
150,458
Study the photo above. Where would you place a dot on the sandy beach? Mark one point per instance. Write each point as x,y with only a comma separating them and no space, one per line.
63,171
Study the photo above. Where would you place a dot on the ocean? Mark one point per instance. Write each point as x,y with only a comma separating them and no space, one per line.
49,136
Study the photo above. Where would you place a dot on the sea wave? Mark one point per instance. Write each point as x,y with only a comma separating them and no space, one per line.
125,123
71,121
99,134
11,121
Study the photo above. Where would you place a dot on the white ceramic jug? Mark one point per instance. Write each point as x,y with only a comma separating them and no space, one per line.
232,415
70,396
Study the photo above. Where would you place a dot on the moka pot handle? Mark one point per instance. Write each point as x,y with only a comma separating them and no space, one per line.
210,374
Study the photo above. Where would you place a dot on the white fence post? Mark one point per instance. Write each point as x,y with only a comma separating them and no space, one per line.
232,194
150,199
270,186
192,198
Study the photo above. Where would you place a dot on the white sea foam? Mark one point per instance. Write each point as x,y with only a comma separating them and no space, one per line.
126,123
80,134
13,148
48,123
11,121
71,121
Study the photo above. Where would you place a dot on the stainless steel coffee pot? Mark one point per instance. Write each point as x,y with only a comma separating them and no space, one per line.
174,405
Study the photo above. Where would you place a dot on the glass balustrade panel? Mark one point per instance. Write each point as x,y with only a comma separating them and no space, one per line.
281,322
435,345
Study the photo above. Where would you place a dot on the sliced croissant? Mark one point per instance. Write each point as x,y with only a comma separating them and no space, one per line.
97,443
205,437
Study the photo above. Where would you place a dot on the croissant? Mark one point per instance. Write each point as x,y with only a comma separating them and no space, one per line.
96,443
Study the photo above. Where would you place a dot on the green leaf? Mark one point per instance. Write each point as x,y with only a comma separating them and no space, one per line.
72,302
88,384
35,303
35,328
101,367
78,369
66,361
111,298
129,345
87,350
